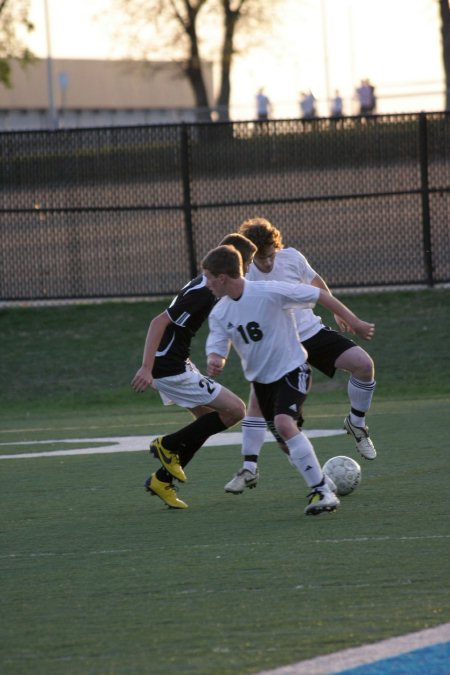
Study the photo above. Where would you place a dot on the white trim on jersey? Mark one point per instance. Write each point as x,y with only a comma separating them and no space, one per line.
261,328
290,265
182,319
163,352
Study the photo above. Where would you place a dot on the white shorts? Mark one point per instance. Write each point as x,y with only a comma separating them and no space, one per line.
189,389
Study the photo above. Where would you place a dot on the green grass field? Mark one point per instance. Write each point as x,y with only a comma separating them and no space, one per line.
97,576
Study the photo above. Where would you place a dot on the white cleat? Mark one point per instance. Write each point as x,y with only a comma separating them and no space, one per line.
363,442
321,500
243,479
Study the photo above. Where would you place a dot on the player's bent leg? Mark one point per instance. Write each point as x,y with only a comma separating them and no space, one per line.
230,407
361,386
357,362
200,410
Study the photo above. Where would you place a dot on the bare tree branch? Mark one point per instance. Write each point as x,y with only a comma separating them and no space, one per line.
181,25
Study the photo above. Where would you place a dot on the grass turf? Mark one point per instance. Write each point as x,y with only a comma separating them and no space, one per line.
99,577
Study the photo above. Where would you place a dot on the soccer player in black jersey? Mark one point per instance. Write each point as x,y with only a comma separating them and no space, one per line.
166,366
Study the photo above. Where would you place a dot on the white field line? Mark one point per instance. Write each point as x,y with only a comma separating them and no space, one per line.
111,444
358,656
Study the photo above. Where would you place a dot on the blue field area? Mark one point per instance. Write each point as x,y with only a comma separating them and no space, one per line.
434,660
425,652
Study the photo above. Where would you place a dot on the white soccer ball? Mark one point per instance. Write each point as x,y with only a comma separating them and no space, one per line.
344,472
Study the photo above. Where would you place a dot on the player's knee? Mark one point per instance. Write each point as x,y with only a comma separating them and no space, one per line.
366,371
363,368
235,413
285,426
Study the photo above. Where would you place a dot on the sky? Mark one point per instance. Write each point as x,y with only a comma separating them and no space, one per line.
320,45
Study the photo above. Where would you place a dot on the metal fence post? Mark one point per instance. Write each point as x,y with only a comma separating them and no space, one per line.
425,192
187,203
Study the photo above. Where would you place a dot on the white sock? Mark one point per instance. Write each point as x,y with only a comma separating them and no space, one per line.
360,394
303,458
253,436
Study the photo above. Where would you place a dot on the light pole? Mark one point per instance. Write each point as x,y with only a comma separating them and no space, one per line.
52,119
325,51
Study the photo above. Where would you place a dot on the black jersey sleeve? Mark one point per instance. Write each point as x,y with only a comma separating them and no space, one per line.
187,312
192,305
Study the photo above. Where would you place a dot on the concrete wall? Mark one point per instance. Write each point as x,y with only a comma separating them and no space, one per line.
98,93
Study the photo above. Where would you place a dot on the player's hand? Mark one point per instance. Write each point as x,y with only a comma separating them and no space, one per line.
215,365
344,327
142,380
364,329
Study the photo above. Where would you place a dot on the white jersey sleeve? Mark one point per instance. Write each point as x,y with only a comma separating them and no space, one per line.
218,341
292,266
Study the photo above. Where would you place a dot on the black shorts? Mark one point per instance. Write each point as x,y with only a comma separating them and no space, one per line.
286,396
325,347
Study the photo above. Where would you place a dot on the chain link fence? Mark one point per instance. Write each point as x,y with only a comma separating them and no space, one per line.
129,212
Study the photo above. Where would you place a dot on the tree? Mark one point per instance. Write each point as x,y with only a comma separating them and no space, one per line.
248,19
14,27
445,33
185,27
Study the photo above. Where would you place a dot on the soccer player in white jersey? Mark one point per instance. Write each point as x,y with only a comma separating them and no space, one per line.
327,349
166,367
256,318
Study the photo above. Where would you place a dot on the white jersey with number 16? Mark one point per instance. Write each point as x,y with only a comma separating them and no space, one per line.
261,326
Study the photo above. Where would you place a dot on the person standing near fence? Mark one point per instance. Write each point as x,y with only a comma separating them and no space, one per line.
365,94
166,367
255,317
262,105
336,105
307,105
328,350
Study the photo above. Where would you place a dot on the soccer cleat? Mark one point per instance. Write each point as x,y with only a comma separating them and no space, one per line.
364,445
321,499
243,479
165,491
170,460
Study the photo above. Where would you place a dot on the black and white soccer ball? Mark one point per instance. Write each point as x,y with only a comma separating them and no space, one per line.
344,472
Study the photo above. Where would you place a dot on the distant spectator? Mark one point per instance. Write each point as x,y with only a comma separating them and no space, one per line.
262,105
374,98
366,97
336,105
307,105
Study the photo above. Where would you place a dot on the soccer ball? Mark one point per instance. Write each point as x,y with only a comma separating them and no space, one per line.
344,472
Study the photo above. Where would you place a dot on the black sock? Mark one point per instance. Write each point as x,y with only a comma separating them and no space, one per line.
189,439
251,458
163,475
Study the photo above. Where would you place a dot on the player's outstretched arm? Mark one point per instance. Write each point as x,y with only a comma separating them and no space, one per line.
358,326
322,284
